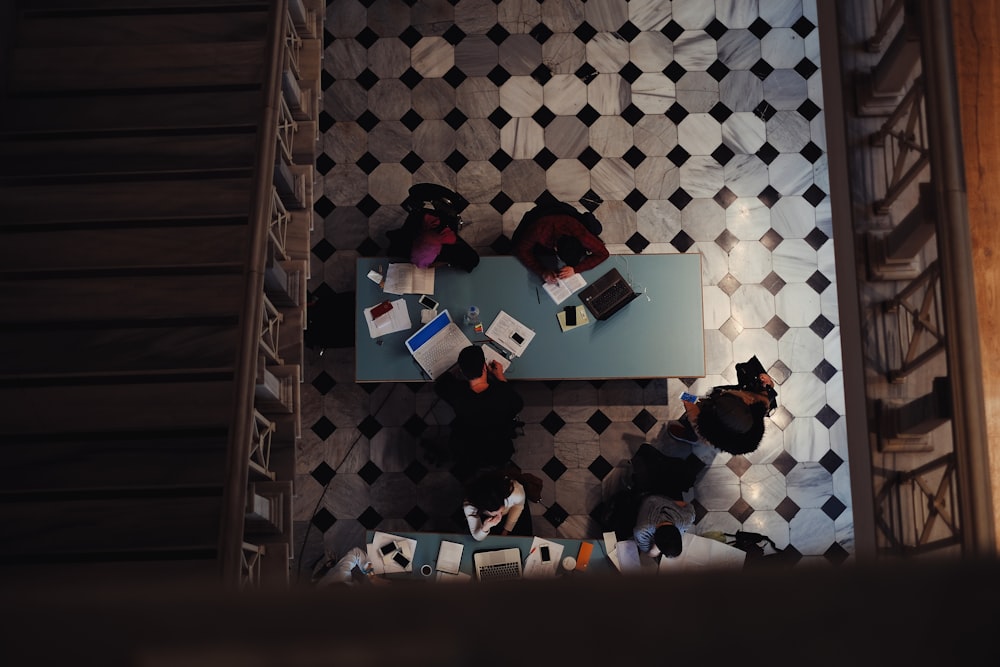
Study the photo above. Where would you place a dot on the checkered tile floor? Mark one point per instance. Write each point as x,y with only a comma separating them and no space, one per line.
686,126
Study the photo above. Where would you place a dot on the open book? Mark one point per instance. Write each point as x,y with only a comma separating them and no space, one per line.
563,289
404,278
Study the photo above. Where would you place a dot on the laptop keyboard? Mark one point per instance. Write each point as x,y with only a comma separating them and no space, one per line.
609,297
500,571
441,350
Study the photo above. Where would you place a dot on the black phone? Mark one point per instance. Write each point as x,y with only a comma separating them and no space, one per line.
387,549
544,551
401,559
570,315
517,338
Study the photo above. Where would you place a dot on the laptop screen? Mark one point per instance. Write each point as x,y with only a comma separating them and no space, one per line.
426,332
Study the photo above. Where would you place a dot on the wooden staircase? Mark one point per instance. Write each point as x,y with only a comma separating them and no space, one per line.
152,278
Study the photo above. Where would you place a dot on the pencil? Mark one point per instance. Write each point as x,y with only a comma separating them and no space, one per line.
537,297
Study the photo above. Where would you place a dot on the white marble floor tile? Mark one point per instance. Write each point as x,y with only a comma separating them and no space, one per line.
655,136
607,52
567,137
651,51
747,177
791,174
432,56
608,15
522,138
753,306
787,131
609,94
653,93
697,92
797,304
781,13
794,218
519,16
521,96
739,49
657,178
388,57
749,262
744,132
703,177
658,221
563,16
800,348
476,16
693,14
520,54
563,53
699,134
785,89
478,139
741,91
611,136
564,94
782,48
433,98
567,179
476,55
477,97
794,260
695,50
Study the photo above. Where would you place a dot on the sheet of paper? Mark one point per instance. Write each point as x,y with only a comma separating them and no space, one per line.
610,545
397,319
699,552
563,289
405,278
492,355
379,539
533,564
449,557
503,329
628,556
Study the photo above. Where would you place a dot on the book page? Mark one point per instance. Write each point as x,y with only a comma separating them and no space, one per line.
405,278
423,281
563,289
398,278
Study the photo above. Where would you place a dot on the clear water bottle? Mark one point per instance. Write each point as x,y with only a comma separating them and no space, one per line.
472,316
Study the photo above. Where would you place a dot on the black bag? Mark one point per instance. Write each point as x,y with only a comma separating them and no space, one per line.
755,545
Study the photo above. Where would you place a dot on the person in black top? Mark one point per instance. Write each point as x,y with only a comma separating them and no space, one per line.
485,406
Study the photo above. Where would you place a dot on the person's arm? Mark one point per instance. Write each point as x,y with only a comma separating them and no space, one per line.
341,572
644,537
516,500
476,528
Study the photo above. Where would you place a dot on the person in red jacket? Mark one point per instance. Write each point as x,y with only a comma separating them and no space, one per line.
555,241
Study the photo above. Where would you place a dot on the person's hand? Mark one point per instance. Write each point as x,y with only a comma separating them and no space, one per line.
565,272
497,370
492,520
550,277
766,380
654,551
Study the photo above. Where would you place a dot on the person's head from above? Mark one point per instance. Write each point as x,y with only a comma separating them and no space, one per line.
728,422
570,250
667,539
487,491
472,362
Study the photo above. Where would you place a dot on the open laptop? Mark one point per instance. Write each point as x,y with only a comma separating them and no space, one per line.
498,564
607,295
435,346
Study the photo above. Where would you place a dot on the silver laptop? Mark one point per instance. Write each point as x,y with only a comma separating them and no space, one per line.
435,346
498,564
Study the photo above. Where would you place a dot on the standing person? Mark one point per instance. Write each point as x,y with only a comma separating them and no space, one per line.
659,524
731,417
555,241
492,499
485,406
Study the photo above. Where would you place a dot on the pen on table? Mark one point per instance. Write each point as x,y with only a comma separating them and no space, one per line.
532,550
537,297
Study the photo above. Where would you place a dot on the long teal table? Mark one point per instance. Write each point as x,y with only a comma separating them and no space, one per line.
660,334
428,544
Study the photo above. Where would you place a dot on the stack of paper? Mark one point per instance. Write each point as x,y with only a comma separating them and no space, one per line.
397,319
534,566
510,333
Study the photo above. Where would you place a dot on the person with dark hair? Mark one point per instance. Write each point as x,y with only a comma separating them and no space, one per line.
429,235
659,524
485,406
555,241
492,499
730,418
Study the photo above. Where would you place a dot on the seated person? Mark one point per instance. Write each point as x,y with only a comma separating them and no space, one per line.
492,499
659,525
354,567
555,241
429,235
485,405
